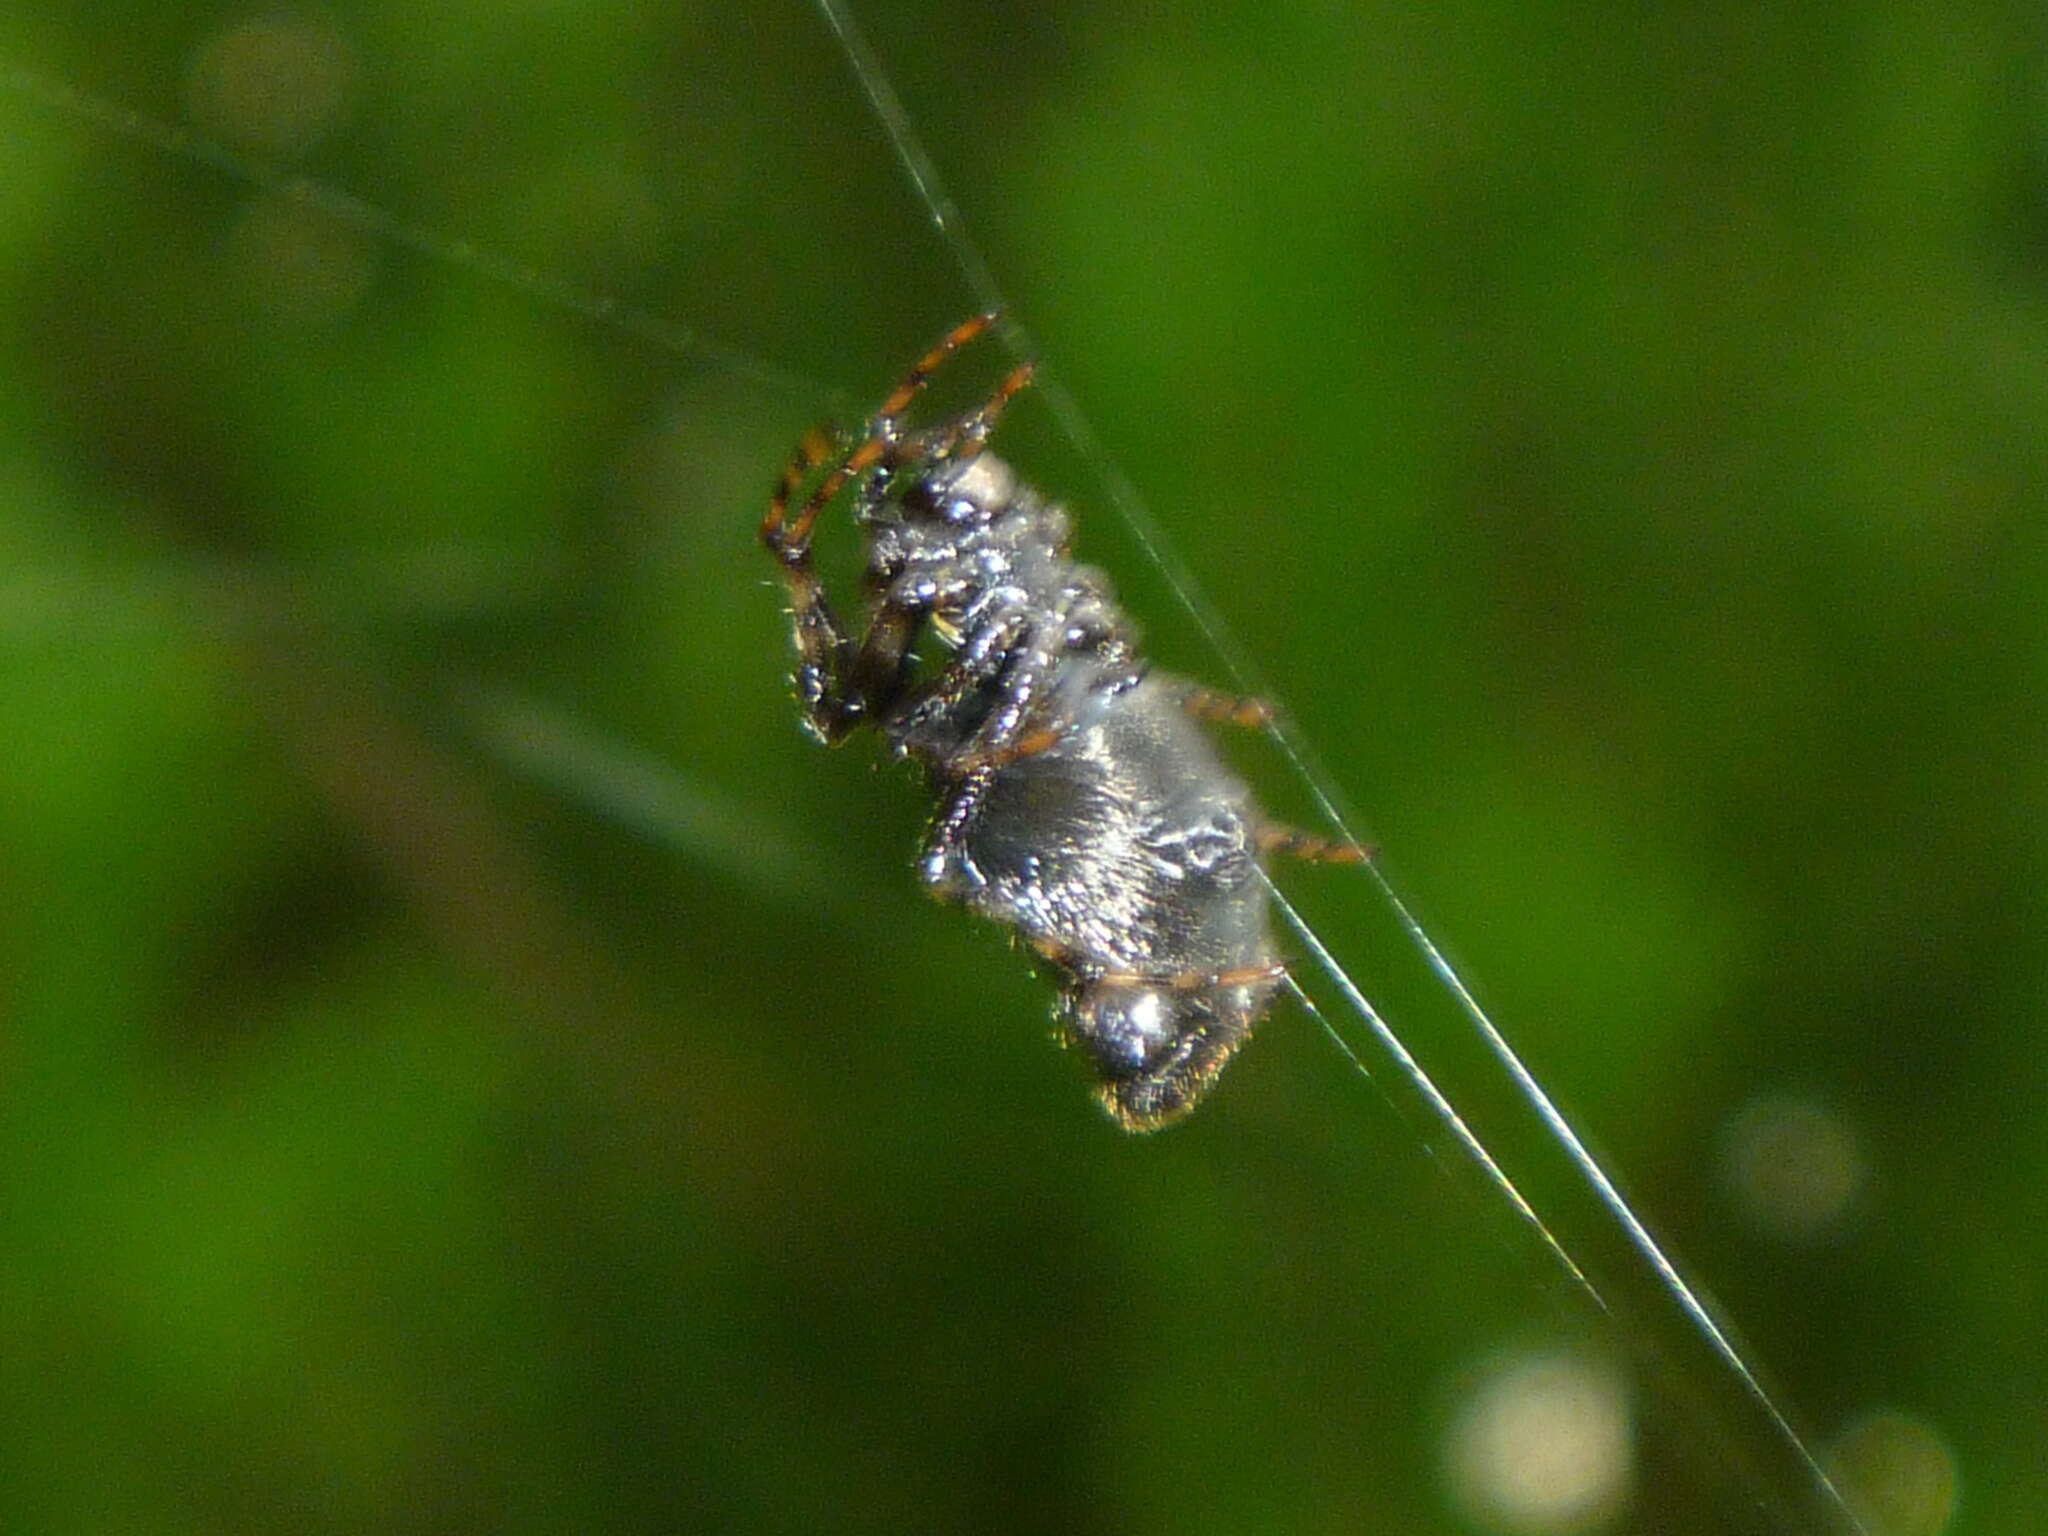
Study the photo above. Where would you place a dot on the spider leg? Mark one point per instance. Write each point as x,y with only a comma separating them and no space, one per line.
1019,725
840,683
925,721
813,449
973,429
1256,973
824,654
1196,981
1034,650
788,537
1081,622
943,862
1032,660
1010,648
921,371
928,721
1277,837
1226,708
1273,837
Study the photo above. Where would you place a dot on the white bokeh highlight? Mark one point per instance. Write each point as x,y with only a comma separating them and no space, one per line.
1543,1445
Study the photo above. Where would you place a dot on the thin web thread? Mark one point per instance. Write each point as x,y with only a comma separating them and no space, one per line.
1467,1139
924,177
352,211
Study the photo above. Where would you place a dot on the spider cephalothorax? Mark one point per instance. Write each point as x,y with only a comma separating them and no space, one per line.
1079,800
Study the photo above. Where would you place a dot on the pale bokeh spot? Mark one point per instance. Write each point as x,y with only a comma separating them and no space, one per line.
1543,1445
271,85
1793,1167
302,266
1897,1475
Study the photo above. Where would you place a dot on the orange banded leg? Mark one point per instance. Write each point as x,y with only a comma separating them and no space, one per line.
793,542
974,430
1030,744
1276,837
1226,708
813,449
883,443
1178,981
922,370
824,654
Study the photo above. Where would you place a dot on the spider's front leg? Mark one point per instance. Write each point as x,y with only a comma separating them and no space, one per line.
926,720
1025,720
840,684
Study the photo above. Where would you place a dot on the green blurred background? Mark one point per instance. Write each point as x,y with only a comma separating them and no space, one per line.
467,1063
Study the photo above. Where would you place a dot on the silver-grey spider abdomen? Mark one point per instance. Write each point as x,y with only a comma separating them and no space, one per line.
1126,853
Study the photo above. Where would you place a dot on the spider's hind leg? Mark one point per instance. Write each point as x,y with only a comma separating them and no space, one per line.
1273,837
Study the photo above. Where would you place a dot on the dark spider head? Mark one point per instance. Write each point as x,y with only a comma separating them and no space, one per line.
968,521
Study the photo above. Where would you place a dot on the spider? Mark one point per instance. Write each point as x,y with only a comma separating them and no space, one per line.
1079,800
